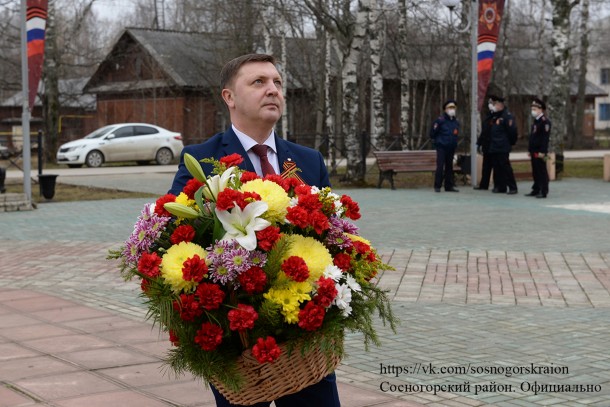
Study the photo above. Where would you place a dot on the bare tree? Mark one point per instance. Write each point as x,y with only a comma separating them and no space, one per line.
559,97
376,38
575,138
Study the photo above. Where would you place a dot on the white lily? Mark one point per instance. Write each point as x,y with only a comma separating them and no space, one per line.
217,184
243,225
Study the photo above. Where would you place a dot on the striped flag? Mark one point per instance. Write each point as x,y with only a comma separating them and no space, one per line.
490,16
36,19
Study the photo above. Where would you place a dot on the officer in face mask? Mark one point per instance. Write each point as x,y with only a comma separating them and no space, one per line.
538,149
503,135
444,134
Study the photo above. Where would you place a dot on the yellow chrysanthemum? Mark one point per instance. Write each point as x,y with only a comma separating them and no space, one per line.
184,200
301,290
286,300
172,261
274,195
358,239
314,253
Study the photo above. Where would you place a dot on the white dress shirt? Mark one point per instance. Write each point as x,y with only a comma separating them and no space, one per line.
247,142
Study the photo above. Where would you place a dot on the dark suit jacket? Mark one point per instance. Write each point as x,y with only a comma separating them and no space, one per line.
309,161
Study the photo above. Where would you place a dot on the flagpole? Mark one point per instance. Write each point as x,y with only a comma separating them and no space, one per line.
474,120
25,116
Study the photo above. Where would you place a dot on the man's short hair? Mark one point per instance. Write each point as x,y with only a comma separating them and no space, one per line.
229,71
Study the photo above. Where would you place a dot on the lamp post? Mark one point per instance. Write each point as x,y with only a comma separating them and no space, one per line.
473,26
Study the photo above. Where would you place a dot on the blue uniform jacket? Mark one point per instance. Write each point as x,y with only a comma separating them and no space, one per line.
539,136
445,131
309,161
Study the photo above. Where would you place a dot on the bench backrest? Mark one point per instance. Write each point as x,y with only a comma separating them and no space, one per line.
417,160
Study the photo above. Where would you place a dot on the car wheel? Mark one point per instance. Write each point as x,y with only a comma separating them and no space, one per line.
164,156
75,165
94,159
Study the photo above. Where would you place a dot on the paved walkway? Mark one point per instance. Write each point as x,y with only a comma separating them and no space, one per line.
504,301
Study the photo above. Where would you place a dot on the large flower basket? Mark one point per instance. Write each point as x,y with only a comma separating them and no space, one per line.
255,280
291,372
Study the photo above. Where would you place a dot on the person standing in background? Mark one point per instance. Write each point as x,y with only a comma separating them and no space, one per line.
503,135
483,148
444,134
538,149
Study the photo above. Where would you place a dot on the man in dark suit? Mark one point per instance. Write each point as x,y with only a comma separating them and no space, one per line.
252,90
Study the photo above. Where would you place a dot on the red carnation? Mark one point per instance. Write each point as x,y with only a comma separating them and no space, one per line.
290,183
319,221
371,257
311,202
312,316
248,176
253,280
361,247
192,186
275,178
295,268
298,217
227,199
242,318
232,160
267,237
194,269
352,210
248,197
188,307
149,264
173,338
145,285
183,233
210,295
302,189
159,208
266,350
209,336
326,292
343,261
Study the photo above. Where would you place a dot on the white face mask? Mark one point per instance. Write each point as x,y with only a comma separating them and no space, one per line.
535,113
451,112
491,107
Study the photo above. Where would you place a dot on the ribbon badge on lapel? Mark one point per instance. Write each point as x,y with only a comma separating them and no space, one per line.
290,170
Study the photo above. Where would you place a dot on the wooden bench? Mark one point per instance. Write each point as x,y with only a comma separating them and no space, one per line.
393,162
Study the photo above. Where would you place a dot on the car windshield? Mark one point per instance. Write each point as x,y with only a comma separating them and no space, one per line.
100,132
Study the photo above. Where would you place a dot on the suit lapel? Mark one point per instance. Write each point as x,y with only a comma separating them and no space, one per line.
231,145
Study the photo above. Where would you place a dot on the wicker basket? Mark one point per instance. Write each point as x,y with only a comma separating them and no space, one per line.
288,374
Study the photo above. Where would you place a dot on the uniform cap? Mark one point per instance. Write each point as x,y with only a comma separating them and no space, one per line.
495,98
449,102
539,103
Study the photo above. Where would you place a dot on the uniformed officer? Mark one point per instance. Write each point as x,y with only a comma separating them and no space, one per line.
503,135
444,134
538,149
483,142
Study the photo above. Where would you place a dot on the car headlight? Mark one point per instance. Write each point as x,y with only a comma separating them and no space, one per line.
70,149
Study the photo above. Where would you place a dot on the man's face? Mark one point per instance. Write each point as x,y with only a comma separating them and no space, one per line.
499,106
255,96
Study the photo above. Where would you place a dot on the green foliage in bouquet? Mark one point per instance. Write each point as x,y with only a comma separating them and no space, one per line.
236,263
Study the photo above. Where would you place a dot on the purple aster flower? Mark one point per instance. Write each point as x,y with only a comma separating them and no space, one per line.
336,235
147,229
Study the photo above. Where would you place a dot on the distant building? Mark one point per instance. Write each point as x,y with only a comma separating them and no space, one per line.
598,70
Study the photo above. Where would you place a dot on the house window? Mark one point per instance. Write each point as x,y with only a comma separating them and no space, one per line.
604,112
604,76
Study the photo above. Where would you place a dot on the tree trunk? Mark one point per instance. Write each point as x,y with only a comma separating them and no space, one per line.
284,73
560,85
330,116
354,171
542,41
405,129
376,31
577,136
422,118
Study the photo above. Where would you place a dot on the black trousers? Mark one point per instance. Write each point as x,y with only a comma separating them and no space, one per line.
2,178
444,167
486,171
541,176
322,394
503,171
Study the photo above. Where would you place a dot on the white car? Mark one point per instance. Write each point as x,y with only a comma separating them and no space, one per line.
139,142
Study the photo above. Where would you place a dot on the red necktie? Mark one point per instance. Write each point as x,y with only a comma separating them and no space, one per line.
261,151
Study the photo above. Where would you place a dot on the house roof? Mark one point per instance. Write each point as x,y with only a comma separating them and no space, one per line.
70,95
